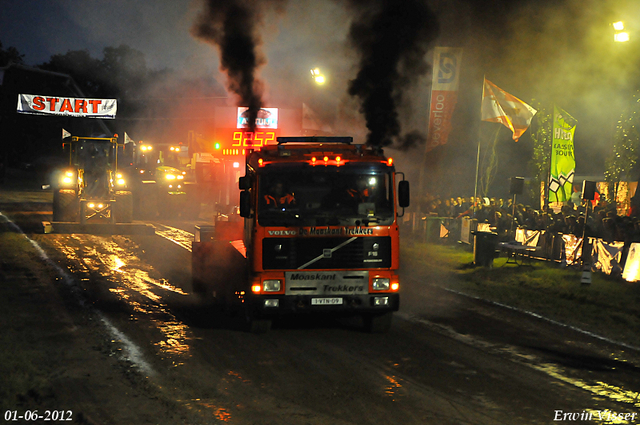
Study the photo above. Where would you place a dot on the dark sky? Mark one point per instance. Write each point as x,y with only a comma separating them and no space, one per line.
553,51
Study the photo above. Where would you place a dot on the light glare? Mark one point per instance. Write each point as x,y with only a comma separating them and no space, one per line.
621,37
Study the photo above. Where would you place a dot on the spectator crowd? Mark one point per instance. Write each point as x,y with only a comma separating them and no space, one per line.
599,220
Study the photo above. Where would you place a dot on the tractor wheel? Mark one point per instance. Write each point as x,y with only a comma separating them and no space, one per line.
65,206
124,207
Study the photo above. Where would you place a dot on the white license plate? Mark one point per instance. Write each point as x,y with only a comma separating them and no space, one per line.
326,301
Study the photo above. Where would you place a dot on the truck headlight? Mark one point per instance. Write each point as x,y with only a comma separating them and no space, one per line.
271,285
170,176
381,284
180,177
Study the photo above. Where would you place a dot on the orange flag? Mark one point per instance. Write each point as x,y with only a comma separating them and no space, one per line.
499,106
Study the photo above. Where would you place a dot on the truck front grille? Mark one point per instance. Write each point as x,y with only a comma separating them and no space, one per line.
326,253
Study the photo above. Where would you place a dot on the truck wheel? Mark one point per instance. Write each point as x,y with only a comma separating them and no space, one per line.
259,325
65,206
378,323
124,207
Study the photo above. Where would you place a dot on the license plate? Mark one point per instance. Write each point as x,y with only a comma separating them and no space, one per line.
326,301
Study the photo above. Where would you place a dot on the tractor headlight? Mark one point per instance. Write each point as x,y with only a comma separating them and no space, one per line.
68,178
180,177
170,176
120,179
271,285
381,284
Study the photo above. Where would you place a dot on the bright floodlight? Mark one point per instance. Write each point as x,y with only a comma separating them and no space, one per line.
618,26
621,37
317,76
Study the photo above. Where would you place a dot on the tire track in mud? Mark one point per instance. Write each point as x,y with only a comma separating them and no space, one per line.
130,281
131,352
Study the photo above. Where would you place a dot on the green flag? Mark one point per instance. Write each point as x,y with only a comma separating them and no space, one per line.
563,163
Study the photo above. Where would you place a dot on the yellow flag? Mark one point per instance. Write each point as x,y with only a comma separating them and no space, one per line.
501,107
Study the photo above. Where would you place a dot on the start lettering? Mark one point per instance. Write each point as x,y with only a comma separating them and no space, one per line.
77,106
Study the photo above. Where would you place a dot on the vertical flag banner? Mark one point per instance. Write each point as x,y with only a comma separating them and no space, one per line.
501,107
563,163
444,94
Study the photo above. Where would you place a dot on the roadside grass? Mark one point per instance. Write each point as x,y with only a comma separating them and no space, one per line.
608,307
22,354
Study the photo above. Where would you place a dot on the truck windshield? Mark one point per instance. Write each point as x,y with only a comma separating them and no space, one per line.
325,196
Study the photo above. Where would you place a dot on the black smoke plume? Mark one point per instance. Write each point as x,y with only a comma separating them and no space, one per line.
392,38
232,26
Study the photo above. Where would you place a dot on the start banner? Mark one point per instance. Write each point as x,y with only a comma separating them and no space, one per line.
67,106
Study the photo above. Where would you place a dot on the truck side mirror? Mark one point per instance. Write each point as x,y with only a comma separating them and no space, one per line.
243,183
245,204
403,194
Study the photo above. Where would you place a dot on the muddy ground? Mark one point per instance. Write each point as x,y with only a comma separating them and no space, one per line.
107,328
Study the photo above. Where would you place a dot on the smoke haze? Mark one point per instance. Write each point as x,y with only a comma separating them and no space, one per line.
391,39
233,27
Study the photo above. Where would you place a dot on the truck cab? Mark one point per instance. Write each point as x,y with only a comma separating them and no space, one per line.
320,232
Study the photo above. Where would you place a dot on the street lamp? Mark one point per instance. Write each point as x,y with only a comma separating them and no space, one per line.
620,36
317,76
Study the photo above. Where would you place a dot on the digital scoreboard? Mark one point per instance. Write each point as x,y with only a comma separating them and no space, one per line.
232,142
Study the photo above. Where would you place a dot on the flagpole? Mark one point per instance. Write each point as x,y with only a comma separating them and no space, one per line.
475,190
545,203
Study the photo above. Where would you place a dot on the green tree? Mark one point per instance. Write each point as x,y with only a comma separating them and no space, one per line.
10,55
620,164
540,162
84,70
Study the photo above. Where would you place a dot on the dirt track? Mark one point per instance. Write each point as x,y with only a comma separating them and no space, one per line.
117,337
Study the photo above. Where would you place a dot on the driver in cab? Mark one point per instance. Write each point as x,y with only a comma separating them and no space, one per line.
278,197
361,192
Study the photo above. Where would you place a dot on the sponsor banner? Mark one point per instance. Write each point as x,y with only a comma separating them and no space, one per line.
444,94
67,106
563,163
442,105
267,118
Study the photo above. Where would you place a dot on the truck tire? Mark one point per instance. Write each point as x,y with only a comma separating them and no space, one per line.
259,325
123,207
65,206
378,323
